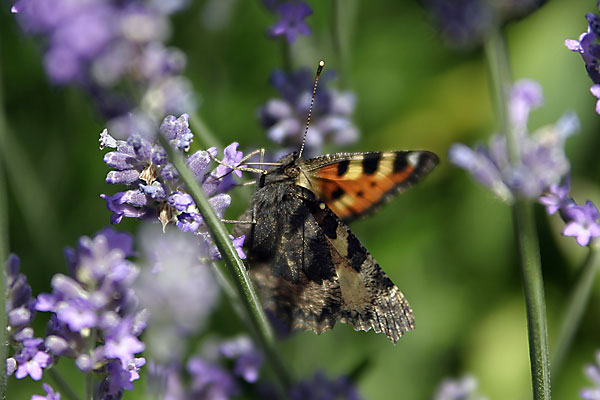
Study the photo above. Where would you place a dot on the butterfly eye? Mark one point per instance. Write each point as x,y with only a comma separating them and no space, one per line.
292,171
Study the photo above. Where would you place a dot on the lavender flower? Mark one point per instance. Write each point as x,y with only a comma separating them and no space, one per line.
292,22
30,357
541,160
321,388
155,191
557,197
593,373
285,118
30,360
178,290
583,223
97,296
459,389
587,45
50,394
105,46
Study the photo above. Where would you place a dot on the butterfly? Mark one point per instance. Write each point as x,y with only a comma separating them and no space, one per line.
310,268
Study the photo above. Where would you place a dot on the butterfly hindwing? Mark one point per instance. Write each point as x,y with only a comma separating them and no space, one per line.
354,184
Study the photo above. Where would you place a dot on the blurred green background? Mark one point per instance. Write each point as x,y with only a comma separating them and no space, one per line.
448,244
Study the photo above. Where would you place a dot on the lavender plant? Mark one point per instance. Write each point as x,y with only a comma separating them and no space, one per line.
94,317
116,51
156,191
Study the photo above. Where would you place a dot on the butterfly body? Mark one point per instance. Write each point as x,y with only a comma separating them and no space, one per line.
310,268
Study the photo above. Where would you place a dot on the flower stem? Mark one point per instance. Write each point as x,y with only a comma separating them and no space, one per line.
575,308
533,284
525,231
61,384
202,131
3,258
259,323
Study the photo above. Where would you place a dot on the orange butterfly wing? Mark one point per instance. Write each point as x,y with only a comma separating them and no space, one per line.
353,184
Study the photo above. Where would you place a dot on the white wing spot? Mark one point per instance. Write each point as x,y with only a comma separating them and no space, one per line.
322,206
413,158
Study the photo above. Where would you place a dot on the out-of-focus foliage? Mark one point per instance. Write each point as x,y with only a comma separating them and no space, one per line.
448,244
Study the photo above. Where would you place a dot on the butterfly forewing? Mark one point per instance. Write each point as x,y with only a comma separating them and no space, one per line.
354,184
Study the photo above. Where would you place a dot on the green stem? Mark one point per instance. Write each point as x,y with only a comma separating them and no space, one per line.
259,323
202,131
3,257
575,308
286,55
336,36
525,231
62,386
533,284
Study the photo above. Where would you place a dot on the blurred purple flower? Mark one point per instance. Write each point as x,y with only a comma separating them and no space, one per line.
464,388
557,197
592,371
210,381
108,47
541,160
292,22
583,223
177,273
467,23
285,118
50,394
321,388
155,190
248,360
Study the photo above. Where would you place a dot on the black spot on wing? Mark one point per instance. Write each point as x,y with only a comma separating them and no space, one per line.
329,225
371,163
337,193
342,167
400,162
356,252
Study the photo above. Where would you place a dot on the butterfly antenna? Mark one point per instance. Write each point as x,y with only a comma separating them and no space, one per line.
312,101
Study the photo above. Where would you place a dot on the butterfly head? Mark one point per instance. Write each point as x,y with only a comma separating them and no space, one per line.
288,170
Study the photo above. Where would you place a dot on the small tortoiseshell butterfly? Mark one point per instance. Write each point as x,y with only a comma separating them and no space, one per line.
310,268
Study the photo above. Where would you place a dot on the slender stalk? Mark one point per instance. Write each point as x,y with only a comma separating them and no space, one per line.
336,36
286,55
3,257
202,131
533,285
525,231
259,323
63,387
575,308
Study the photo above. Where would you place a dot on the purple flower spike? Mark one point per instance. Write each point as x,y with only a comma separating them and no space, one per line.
540,160
50,394
292,20
595,90
583,223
